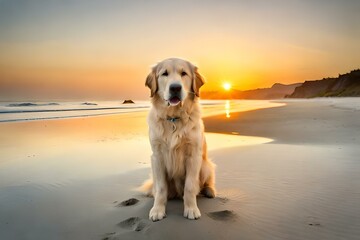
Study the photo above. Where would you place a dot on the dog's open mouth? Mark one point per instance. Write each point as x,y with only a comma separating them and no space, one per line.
174,100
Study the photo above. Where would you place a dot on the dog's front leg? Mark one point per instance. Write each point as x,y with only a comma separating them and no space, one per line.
157,212
193,165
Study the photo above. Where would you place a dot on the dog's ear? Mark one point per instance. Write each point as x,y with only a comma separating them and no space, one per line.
198,81
151,81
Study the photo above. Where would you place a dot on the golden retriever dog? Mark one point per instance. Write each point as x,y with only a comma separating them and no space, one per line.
180,167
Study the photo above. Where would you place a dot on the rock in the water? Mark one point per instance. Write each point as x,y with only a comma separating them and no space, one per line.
127,101
90,104
22,104
29,104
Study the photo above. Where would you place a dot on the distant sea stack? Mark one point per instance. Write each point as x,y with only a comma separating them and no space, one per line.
128,101
277,91
346,85
89,104
29,104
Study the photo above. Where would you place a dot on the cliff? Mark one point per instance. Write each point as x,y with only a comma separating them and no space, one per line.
346,85
277,91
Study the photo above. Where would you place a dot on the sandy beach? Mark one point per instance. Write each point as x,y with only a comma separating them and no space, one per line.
287,169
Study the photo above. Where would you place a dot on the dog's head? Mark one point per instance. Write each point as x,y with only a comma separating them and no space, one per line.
174,80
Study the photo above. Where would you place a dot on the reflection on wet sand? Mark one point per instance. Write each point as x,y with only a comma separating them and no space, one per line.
61,173
227,108
83,148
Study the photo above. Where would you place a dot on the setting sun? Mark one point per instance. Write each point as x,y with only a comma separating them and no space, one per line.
227,86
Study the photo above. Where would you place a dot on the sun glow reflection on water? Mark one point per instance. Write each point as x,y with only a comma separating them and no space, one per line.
227,108
51,151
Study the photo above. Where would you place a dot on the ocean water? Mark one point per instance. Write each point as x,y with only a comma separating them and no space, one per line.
26,111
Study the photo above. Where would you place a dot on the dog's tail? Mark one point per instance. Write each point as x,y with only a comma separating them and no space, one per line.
147,187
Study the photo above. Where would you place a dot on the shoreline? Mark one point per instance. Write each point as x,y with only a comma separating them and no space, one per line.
63,179
278,123
43,113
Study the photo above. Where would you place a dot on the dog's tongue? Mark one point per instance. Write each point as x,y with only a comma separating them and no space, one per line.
174,100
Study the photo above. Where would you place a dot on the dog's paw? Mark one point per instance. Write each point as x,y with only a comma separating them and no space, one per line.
192,212
208,192
157,213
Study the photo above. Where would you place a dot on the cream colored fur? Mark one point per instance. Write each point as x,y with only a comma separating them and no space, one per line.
180,167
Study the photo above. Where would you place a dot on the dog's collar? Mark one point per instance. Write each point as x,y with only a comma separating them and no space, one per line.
172,119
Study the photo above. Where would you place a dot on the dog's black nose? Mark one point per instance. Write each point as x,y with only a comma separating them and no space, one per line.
175,88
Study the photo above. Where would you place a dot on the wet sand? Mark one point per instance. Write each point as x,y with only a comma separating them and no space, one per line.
65,179
306,183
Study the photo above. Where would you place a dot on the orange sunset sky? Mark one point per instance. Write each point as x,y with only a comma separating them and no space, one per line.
87,49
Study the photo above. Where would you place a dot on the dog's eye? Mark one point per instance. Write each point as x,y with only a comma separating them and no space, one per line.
183,73
165,74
